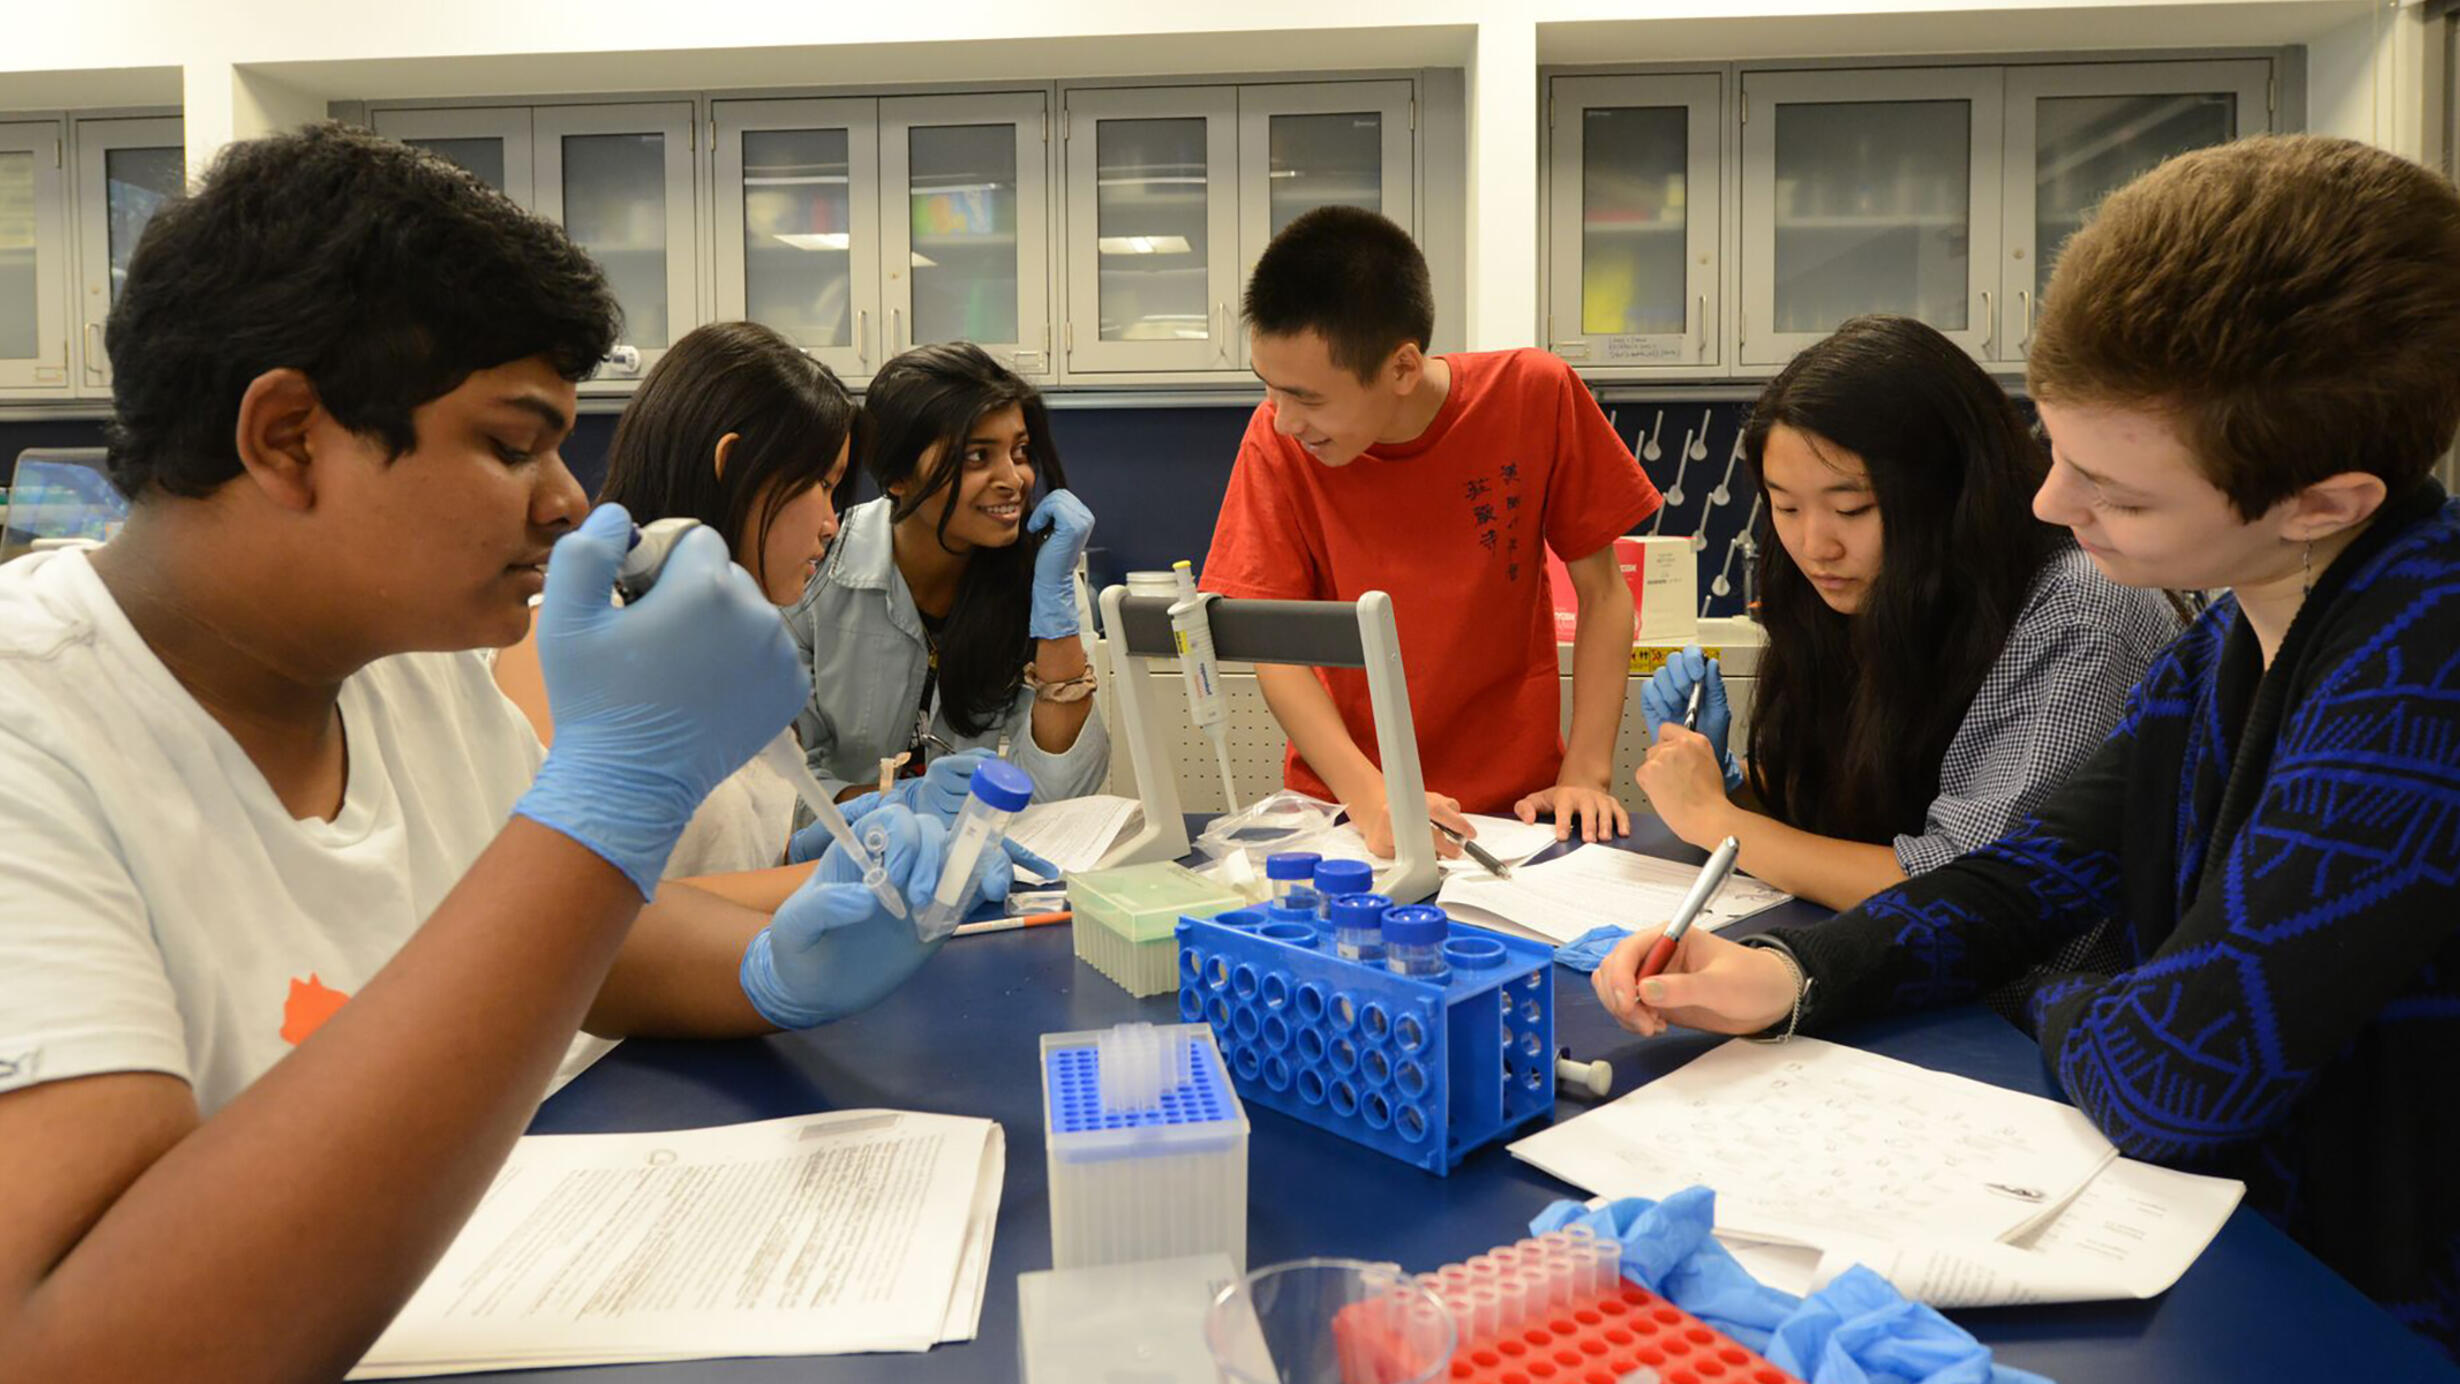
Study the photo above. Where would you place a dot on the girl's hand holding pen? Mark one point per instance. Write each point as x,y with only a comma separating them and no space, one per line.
1710,984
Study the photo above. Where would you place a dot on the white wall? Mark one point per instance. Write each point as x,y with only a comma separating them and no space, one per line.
248,66
2378,77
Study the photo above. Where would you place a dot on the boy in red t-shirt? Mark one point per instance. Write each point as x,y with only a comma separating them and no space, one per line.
1373,466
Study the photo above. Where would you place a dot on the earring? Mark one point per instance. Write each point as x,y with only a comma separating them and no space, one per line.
2307,566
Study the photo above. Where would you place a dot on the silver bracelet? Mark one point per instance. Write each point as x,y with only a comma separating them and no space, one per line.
1802,986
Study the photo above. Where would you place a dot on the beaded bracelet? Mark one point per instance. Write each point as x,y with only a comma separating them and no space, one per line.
1802,986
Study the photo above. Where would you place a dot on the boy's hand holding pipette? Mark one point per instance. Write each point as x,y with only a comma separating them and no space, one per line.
657,702
831,950
1709,984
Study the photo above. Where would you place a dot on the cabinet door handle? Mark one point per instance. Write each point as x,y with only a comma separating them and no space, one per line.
2024,301
1990,323
862,335
1701,330
896,330
95,363
1221,330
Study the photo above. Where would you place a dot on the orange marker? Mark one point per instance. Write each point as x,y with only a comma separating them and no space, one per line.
1712,878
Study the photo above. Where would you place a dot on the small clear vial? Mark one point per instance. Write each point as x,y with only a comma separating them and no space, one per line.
1414,941
997,792
1292,877
1333,878
1358,926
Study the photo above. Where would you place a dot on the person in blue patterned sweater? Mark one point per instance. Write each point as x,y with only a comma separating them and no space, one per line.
2248,366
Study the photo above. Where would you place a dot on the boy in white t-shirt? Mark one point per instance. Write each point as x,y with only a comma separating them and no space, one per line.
298,918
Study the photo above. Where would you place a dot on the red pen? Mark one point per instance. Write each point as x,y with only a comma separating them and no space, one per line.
1712,878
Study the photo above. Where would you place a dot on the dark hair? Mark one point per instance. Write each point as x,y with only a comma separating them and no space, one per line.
933,396
1349,276
386,275
1852,715
2292,301
790,412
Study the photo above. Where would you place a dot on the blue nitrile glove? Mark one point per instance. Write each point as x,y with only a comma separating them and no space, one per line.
832,950
1665,696
1857,1330
1071,526
657,702
1860,1329
1587,952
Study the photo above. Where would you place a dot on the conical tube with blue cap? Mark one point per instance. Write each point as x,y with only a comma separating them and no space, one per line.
997,792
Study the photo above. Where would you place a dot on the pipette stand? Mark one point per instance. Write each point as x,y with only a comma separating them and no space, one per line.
1309,634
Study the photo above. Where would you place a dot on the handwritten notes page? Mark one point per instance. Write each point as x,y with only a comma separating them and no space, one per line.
1961,1193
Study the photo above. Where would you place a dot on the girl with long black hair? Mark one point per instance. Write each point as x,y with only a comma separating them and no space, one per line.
945,623
737,428
1937,658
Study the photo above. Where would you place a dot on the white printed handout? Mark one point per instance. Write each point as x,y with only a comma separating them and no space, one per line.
864,1230
1072,833
1597,886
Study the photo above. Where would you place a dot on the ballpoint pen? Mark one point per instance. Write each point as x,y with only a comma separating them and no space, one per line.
1012,924
1476,852
1713,876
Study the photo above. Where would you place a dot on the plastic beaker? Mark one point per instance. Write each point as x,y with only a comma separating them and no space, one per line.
1329,1321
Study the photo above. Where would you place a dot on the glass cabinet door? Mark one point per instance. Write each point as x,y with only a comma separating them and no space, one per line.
33,259
1868,192
798,218
1152,229
1633,220
1318,144
965,211
619,178
126,170
494,143
2076,134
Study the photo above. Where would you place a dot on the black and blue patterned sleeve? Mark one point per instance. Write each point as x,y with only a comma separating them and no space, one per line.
2326,912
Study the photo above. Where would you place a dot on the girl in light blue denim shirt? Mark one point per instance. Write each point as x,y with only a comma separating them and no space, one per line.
945,620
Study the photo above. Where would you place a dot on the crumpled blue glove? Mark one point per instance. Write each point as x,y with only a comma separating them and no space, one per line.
1587,952
1071,528
832,950
1857,1330
1666,695
938,793
657,702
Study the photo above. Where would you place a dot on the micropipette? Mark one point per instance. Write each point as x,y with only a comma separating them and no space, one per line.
1193,634
642,563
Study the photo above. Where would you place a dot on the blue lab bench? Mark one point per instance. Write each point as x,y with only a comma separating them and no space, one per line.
962,1038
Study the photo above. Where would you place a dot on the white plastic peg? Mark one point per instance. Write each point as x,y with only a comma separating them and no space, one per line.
1596,1078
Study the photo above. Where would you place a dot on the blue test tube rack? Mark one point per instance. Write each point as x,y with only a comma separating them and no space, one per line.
1426,1070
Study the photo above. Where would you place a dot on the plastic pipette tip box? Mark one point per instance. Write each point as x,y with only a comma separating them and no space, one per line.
1426,1069
1126,916
1555,1310
1158,1182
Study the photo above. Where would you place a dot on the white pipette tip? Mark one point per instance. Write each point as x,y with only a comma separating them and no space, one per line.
780,755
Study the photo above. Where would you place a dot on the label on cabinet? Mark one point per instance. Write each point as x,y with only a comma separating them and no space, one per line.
1644,348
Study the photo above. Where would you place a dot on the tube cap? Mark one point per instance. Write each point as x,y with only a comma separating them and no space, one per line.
1344,877
1415,924
1291,865
1002,785
1361,911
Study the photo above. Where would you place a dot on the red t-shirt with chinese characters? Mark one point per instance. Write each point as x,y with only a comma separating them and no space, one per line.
1453,525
